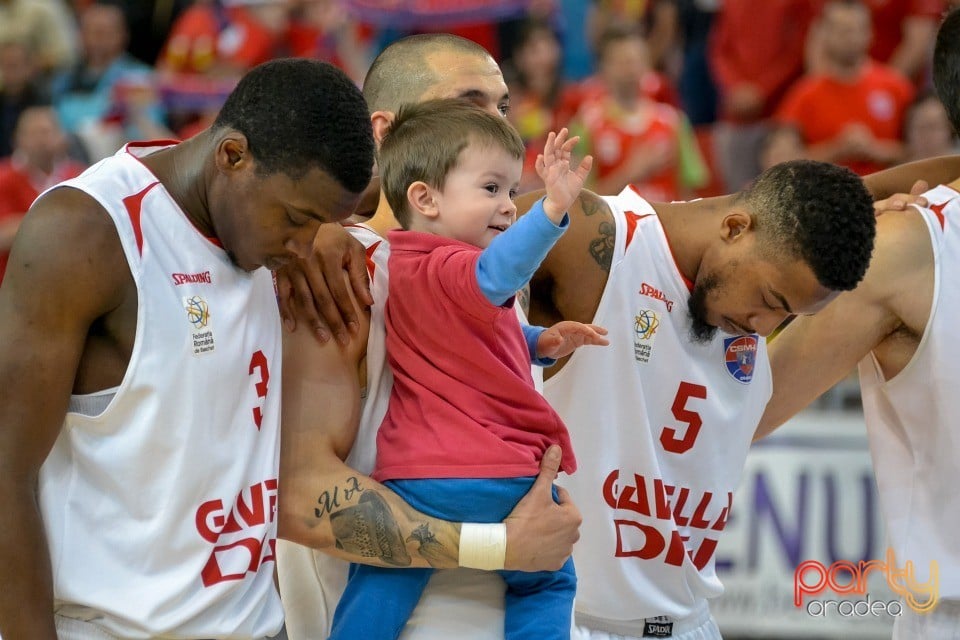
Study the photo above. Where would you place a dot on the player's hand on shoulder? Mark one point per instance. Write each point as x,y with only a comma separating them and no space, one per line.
900,201
313,291
563,180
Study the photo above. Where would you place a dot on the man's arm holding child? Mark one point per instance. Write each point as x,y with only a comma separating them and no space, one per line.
329,506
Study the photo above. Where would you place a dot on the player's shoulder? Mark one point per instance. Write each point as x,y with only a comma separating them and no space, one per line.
898,231
70,216
69,248
902,249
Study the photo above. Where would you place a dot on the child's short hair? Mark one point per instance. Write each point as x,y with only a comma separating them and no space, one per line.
425,140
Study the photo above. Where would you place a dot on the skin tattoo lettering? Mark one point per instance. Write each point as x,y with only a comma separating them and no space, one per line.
330,501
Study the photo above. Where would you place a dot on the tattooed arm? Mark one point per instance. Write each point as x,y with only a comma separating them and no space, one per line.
322,502
325,504
570,281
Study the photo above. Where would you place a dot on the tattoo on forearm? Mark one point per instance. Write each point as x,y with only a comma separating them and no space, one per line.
369,529
430,547
601,247
423,535
330,500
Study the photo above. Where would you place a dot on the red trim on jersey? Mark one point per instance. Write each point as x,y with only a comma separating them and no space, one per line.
146,144
143,144
938,211
632,220
371,265
133,205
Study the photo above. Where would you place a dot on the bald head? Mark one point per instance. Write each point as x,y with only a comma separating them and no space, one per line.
430,65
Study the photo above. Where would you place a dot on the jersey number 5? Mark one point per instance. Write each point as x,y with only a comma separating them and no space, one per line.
668,437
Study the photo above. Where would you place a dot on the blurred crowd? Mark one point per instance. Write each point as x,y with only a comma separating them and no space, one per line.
676,98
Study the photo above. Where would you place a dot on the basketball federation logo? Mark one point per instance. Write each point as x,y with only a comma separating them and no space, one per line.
198,315
645,325
740,355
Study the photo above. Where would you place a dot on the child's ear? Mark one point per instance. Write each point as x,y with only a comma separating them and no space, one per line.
422,199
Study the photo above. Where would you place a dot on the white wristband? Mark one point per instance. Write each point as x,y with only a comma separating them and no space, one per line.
483,546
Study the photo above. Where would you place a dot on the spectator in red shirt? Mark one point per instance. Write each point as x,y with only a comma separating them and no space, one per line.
633,138
225,37
903,34
39,161
756,52
325,30
211,45
852,112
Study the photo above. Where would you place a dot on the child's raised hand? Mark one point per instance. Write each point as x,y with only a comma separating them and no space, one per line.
563,183
564,337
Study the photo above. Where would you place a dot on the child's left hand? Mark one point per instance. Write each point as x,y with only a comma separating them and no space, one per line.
562,182
564,337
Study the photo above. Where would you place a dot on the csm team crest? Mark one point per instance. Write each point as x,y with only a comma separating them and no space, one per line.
740,355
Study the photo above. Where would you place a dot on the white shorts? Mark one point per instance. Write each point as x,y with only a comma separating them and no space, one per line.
943,623
73,629
698,626
458,603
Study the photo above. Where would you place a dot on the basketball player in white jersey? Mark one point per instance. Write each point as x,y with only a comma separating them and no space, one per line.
464,602
900,325
665,419
140,381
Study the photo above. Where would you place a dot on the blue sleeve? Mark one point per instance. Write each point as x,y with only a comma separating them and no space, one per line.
532,334
513,256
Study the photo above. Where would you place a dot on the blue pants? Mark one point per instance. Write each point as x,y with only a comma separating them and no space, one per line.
378,601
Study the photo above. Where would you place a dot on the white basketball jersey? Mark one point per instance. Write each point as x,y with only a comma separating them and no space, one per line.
663,425
160,510
912,420
312,582
376,397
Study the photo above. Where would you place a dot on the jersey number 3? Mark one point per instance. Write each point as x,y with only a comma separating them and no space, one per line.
259,362
668,437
